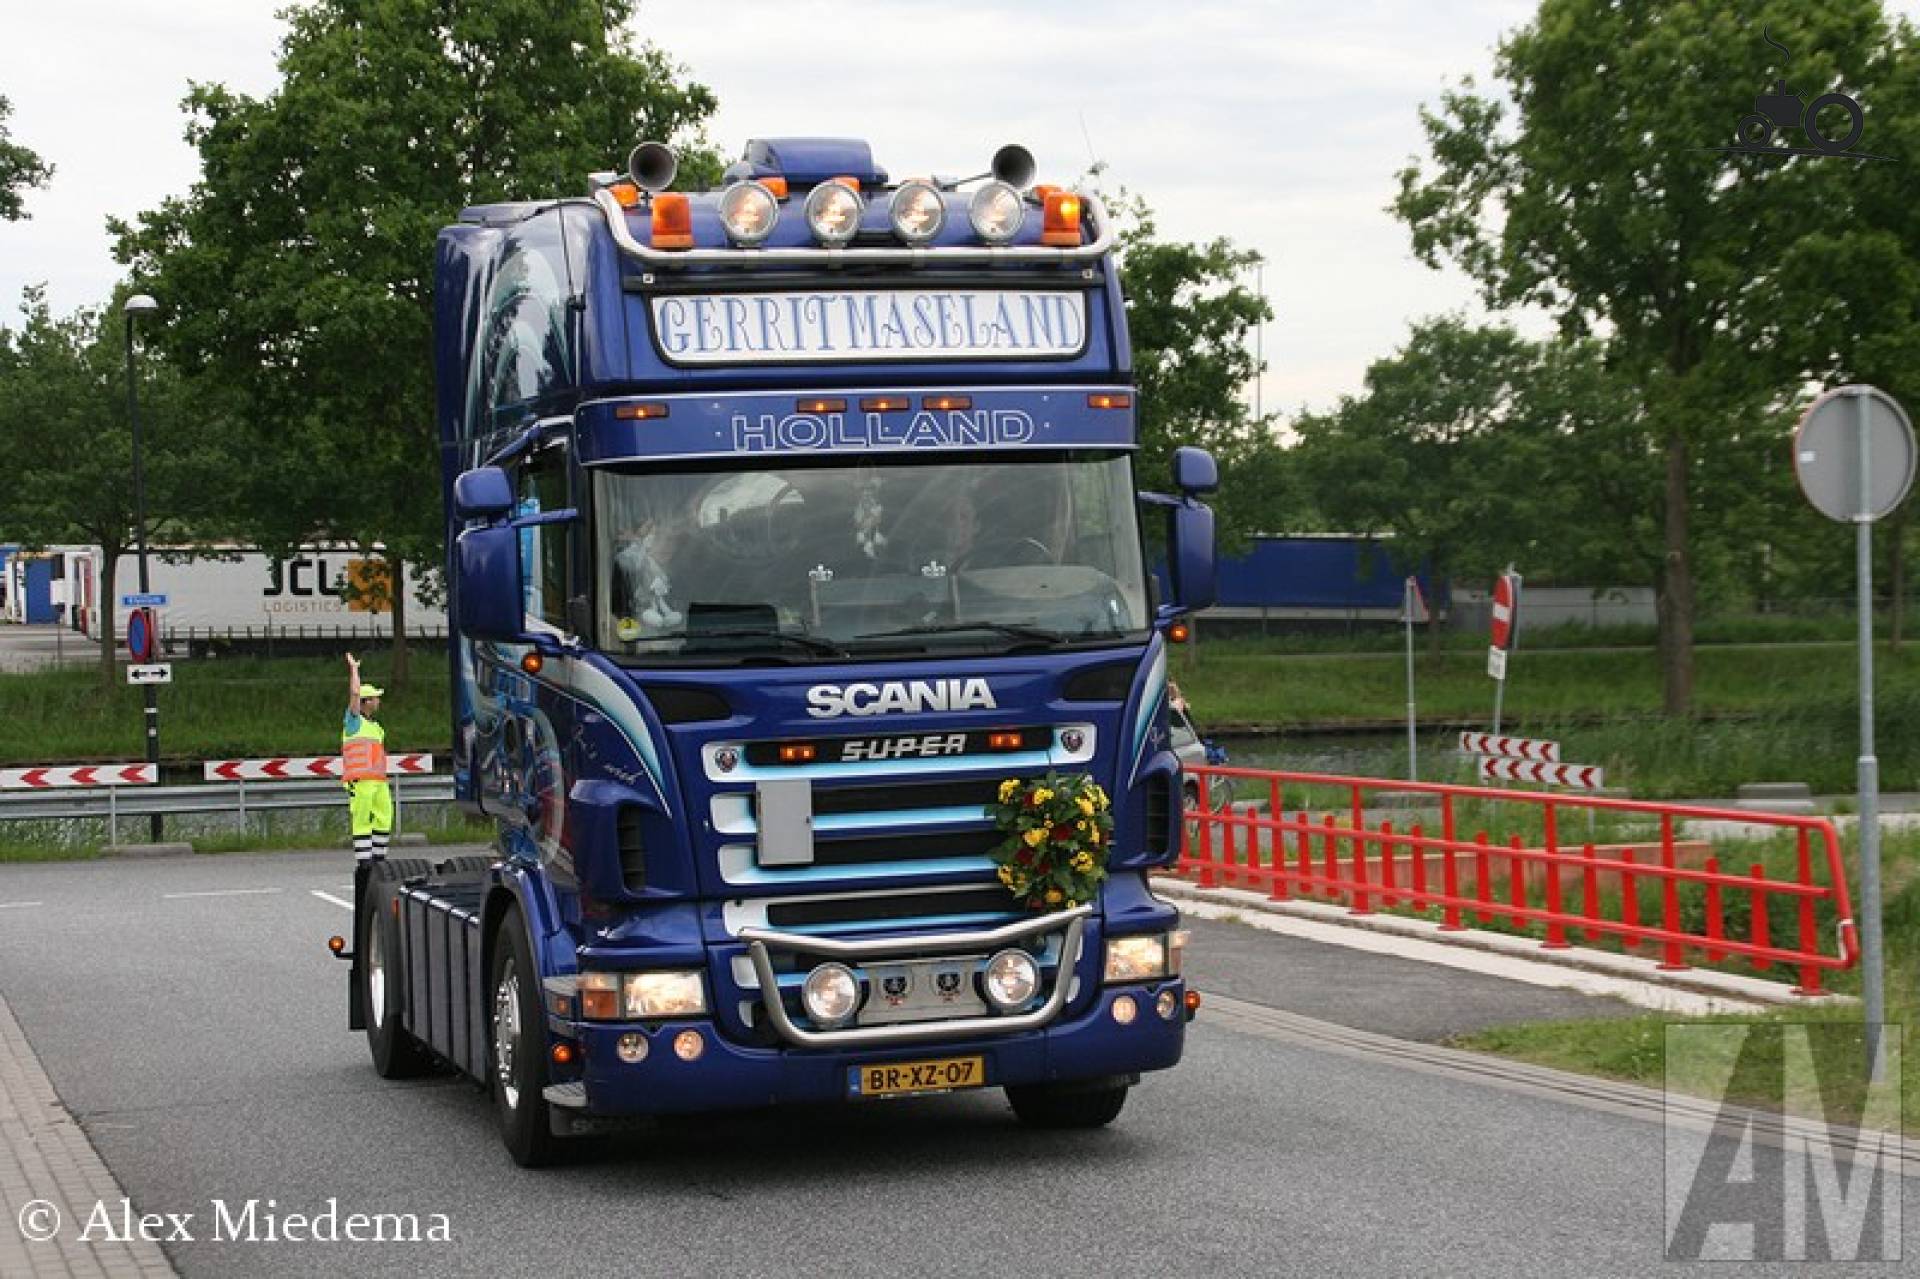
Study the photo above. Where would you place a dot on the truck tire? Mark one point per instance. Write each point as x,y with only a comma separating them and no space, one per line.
467,863
517,1037
382,964
1066,1105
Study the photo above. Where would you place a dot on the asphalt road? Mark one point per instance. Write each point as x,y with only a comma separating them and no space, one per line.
201,1041
28,648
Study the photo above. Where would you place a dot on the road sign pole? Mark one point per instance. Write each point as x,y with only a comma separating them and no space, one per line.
1413,762
1872,979
155,824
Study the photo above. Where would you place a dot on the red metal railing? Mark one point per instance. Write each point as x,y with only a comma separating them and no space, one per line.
1559,886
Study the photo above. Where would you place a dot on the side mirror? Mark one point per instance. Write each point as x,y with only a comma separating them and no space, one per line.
489,603
1190,555
1194,471
483,493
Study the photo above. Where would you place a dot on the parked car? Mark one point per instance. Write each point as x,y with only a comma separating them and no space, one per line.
1194,749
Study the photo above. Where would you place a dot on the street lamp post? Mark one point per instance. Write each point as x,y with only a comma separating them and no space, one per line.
141,304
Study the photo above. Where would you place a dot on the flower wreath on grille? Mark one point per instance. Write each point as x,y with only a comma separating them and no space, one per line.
1058,831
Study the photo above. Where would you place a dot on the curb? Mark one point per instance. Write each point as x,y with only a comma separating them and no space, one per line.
1629,977
181,849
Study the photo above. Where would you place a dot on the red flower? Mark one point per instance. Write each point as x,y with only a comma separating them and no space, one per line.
1063,832
1024,857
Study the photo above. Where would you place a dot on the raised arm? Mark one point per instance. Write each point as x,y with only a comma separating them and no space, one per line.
353,685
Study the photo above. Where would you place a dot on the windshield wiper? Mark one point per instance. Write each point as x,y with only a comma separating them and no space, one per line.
1013,630
813,644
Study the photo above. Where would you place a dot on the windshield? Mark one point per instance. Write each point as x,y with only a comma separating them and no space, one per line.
824,560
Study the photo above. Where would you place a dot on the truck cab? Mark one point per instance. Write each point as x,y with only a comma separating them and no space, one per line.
793,526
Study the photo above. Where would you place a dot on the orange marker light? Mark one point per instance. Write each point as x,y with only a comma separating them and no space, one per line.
1110,400
1005,741
820,406
1193,1002
532,662
797,753
885,404
940,402
625,194
563,1054
776,185
601,1005
639,412
336,944
1179,633
1060,220
672,221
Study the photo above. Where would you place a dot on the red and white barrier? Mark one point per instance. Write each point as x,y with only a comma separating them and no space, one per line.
1575,776
1510,747
295,767
64,776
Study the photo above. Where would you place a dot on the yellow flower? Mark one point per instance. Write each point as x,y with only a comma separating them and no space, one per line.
1006,874
1042,795
1071,903
1008,787
1036,837
1053,896
1093,837
1085,805
1083,862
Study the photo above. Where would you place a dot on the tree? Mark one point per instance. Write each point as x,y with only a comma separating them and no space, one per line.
1611,204
68,451
19,169
1189,316
299,268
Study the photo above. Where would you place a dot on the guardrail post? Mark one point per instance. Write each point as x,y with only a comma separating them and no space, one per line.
1516,882
1675,954
1716,927
113,814
1205,822
1303,855
1362,903
1482,875
1761,932
1276,850
1556,927
1589,890
1809,931
1387,866
1419,868
1629,902
241,789
1227,848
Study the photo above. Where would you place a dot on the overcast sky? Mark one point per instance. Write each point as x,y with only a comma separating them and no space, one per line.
1280,124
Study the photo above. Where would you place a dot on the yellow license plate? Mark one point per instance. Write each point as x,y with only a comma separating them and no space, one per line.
902,1078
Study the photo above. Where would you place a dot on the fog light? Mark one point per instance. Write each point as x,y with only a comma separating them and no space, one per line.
917,211
1167,1005
633,1047
1011,979
831,995
1125,1010
688,1045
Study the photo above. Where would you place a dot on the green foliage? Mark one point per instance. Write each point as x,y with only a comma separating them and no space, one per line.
1190,317
1610,203
68,451
20,169
298,270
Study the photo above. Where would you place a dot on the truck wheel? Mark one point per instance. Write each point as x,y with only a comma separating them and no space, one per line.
1066,1106
396,1053
519,1039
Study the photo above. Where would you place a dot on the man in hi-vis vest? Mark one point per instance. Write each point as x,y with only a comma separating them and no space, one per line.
363,766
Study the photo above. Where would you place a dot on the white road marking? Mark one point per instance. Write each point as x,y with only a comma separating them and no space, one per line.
329,897
18,905
225,892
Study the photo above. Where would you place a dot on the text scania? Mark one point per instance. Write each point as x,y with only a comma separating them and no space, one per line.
768,433
829,701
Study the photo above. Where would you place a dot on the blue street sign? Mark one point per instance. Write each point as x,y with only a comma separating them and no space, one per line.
143,601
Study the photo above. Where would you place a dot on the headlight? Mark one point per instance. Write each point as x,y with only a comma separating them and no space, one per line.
1136,958
917,212
833,212
996,212
749,212
663,994
1011,979
831,995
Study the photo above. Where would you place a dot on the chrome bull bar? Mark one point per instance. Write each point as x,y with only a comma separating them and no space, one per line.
761,940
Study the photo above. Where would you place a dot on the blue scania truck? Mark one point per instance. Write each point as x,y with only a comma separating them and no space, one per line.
788,521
